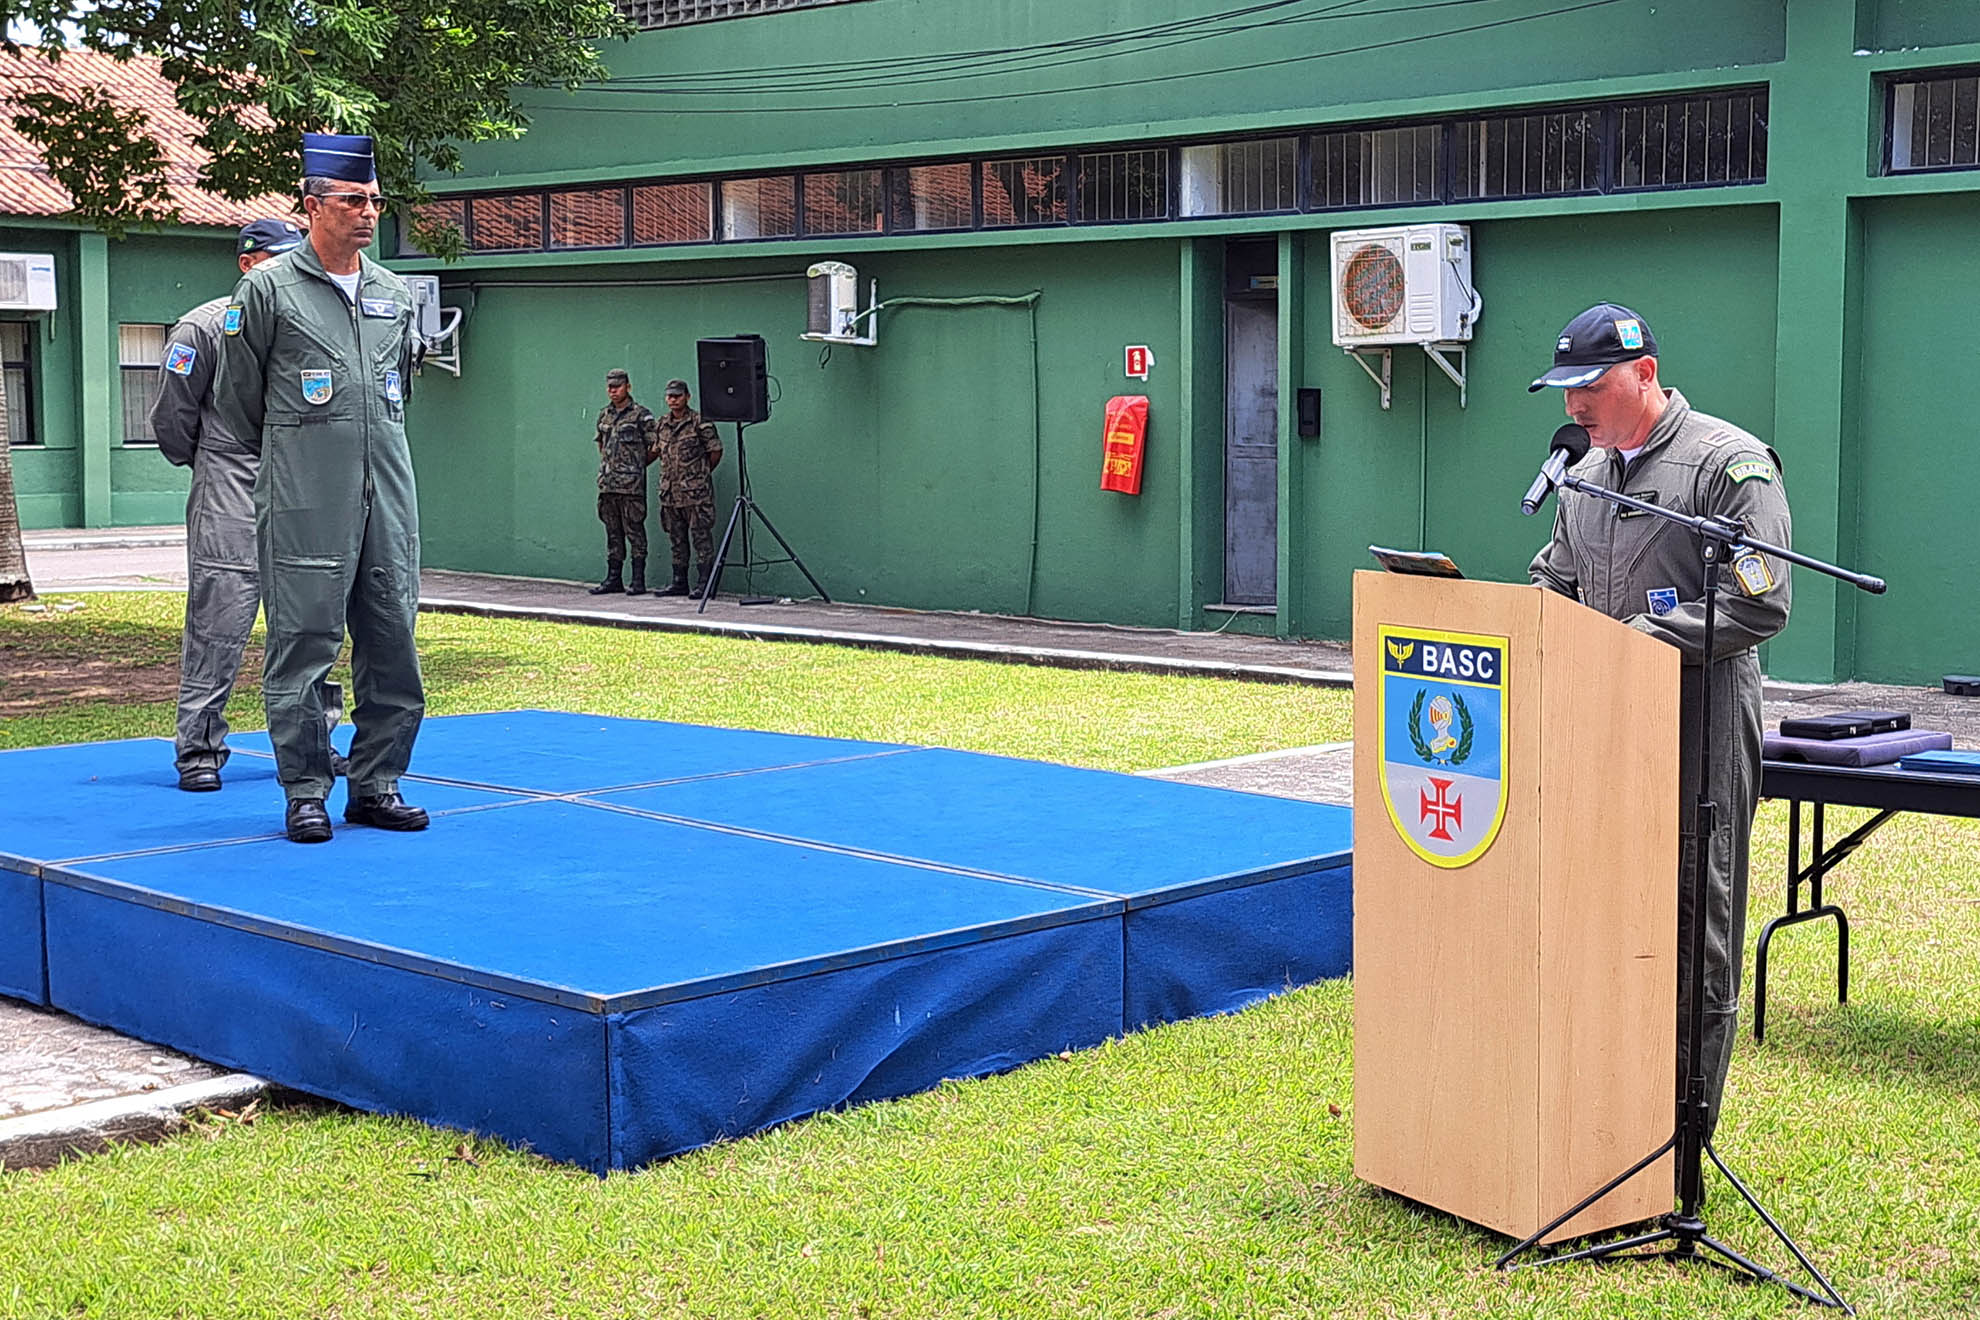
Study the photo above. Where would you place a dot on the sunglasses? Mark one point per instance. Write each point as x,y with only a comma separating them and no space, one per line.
357,201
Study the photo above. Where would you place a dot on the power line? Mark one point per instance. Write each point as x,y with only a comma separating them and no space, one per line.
1069,91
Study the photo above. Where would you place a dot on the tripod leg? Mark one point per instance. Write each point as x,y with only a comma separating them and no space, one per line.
772,529
708,588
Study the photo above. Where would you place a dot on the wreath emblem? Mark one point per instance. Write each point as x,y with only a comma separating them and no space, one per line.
1456,754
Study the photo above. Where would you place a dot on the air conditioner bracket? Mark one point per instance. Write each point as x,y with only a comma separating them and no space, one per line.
1436,352
1381,381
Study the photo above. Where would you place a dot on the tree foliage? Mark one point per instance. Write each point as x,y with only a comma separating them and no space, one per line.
421,77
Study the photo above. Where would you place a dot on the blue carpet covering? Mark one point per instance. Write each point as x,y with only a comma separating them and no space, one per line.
621,939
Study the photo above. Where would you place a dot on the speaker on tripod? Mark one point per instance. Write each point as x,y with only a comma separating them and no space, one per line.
735,380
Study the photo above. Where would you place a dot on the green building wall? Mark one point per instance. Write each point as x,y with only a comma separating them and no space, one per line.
1817,309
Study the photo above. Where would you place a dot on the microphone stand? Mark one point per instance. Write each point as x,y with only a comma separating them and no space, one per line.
1685,1229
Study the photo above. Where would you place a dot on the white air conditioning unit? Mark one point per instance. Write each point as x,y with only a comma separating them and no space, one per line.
1404,284
27,282
833,315
439,328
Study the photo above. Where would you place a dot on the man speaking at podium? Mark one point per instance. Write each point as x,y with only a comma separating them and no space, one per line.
1647,442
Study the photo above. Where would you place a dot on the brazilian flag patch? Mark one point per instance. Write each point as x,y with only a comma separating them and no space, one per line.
1748,469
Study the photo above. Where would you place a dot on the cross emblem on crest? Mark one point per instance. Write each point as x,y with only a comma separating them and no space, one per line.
1445,812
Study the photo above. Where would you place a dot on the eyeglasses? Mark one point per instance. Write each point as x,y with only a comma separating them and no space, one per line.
357,201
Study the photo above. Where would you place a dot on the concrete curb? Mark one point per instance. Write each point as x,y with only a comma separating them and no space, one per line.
1062,657
44,1139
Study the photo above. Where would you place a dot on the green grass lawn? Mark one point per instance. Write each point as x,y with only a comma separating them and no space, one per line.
1200,1169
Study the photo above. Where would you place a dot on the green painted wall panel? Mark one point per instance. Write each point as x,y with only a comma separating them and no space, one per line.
1303,61
1919,467
1903,24
45,487
1703,279
901,474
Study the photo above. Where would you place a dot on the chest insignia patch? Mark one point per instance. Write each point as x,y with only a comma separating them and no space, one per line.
316,386
1749,469
1755,579
231,322
1647,496
393,394
382,307
1662,599
179,359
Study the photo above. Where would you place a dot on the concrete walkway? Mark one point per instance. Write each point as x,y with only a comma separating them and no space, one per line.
66,1086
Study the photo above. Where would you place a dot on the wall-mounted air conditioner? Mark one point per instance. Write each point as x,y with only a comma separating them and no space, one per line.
1405,284
832,315
27,282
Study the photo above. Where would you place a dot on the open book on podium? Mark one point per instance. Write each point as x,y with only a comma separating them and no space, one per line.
1515,902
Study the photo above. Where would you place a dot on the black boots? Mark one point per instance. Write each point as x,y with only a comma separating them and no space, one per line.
611,585
679,586
385,811
306,821
637,587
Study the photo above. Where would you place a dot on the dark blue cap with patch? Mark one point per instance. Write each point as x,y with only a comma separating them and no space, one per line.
337,156
1594,341
270,236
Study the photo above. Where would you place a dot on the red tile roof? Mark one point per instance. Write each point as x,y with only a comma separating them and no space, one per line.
26,187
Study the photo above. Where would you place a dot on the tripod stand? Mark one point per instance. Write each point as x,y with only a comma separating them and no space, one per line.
1685,1228
744,509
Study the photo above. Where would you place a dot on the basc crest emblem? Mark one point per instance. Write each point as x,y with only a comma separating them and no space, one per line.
1442,711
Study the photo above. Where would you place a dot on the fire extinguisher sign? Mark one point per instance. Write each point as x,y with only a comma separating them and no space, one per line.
1123,443
1139,360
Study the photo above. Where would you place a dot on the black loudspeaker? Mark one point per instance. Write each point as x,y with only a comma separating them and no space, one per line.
735,380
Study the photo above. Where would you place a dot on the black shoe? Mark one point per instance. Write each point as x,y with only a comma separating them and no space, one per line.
678,587
700,586
307,821
637,587
385,811
200,779
611,585
340,766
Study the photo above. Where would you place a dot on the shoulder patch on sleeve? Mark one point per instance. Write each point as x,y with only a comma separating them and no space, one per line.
231,323
179,359
1749,469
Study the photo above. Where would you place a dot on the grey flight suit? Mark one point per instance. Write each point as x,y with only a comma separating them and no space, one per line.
222,586
1647,572
322,383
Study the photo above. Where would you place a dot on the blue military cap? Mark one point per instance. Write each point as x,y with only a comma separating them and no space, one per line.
338,156
271,236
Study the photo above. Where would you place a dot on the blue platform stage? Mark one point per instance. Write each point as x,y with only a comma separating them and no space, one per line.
622,939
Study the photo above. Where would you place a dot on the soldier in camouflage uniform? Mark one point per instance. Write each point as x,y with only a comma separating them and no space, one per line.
627,442
1649,573
688,450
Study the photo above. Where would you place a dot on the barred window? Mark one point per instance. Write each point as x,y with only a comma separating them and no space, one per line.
1935,123
1024,190
16,342
442,211
844,202
673,213
934,197
760,208
139,349
1694,139
1124,185
1378,166
510,222
1537,155
675,13
1240,178
592,218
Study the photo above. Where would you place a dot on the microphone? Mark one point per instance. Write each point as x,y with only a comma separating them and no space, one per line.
1569,445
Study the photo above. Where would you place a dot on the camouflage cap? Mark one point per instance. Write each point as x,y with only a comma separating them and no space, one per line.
677,386
617,376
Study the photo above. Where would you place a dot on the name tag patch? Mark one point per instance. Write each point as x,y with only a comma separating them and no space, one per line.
179,359
1748,469
1647,496
384,307
1750,567
231,322
393,394
1662,599
316,386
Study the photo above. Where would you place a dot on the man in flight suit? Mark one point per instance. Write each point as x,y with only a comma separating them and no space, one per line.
316,358
1646,571
688,450
222,586
627,433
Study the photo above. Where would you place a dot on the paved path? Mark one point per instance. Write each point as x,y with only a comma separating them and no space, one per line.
68,1086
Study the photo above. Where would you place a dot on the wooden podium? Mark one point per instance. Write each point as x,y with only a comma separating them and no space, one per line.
1515,982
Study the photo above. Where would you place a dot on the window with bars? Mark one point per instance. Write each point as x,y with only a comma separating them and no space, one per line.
934,196
139,348
1024,190
1537,155
1378,166
676,13
510,222
845,202
759,208
1682,142
16,343
673,213
1240,178
591,218
446,211
1934,123
1117,186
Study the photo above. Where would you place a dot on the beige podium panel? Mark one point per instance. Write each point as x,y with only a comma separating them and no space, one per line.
1515,969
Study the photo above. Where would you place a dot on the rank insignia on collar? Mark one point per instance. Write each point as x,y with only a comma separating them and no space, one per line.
316,386
179,359
231,323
